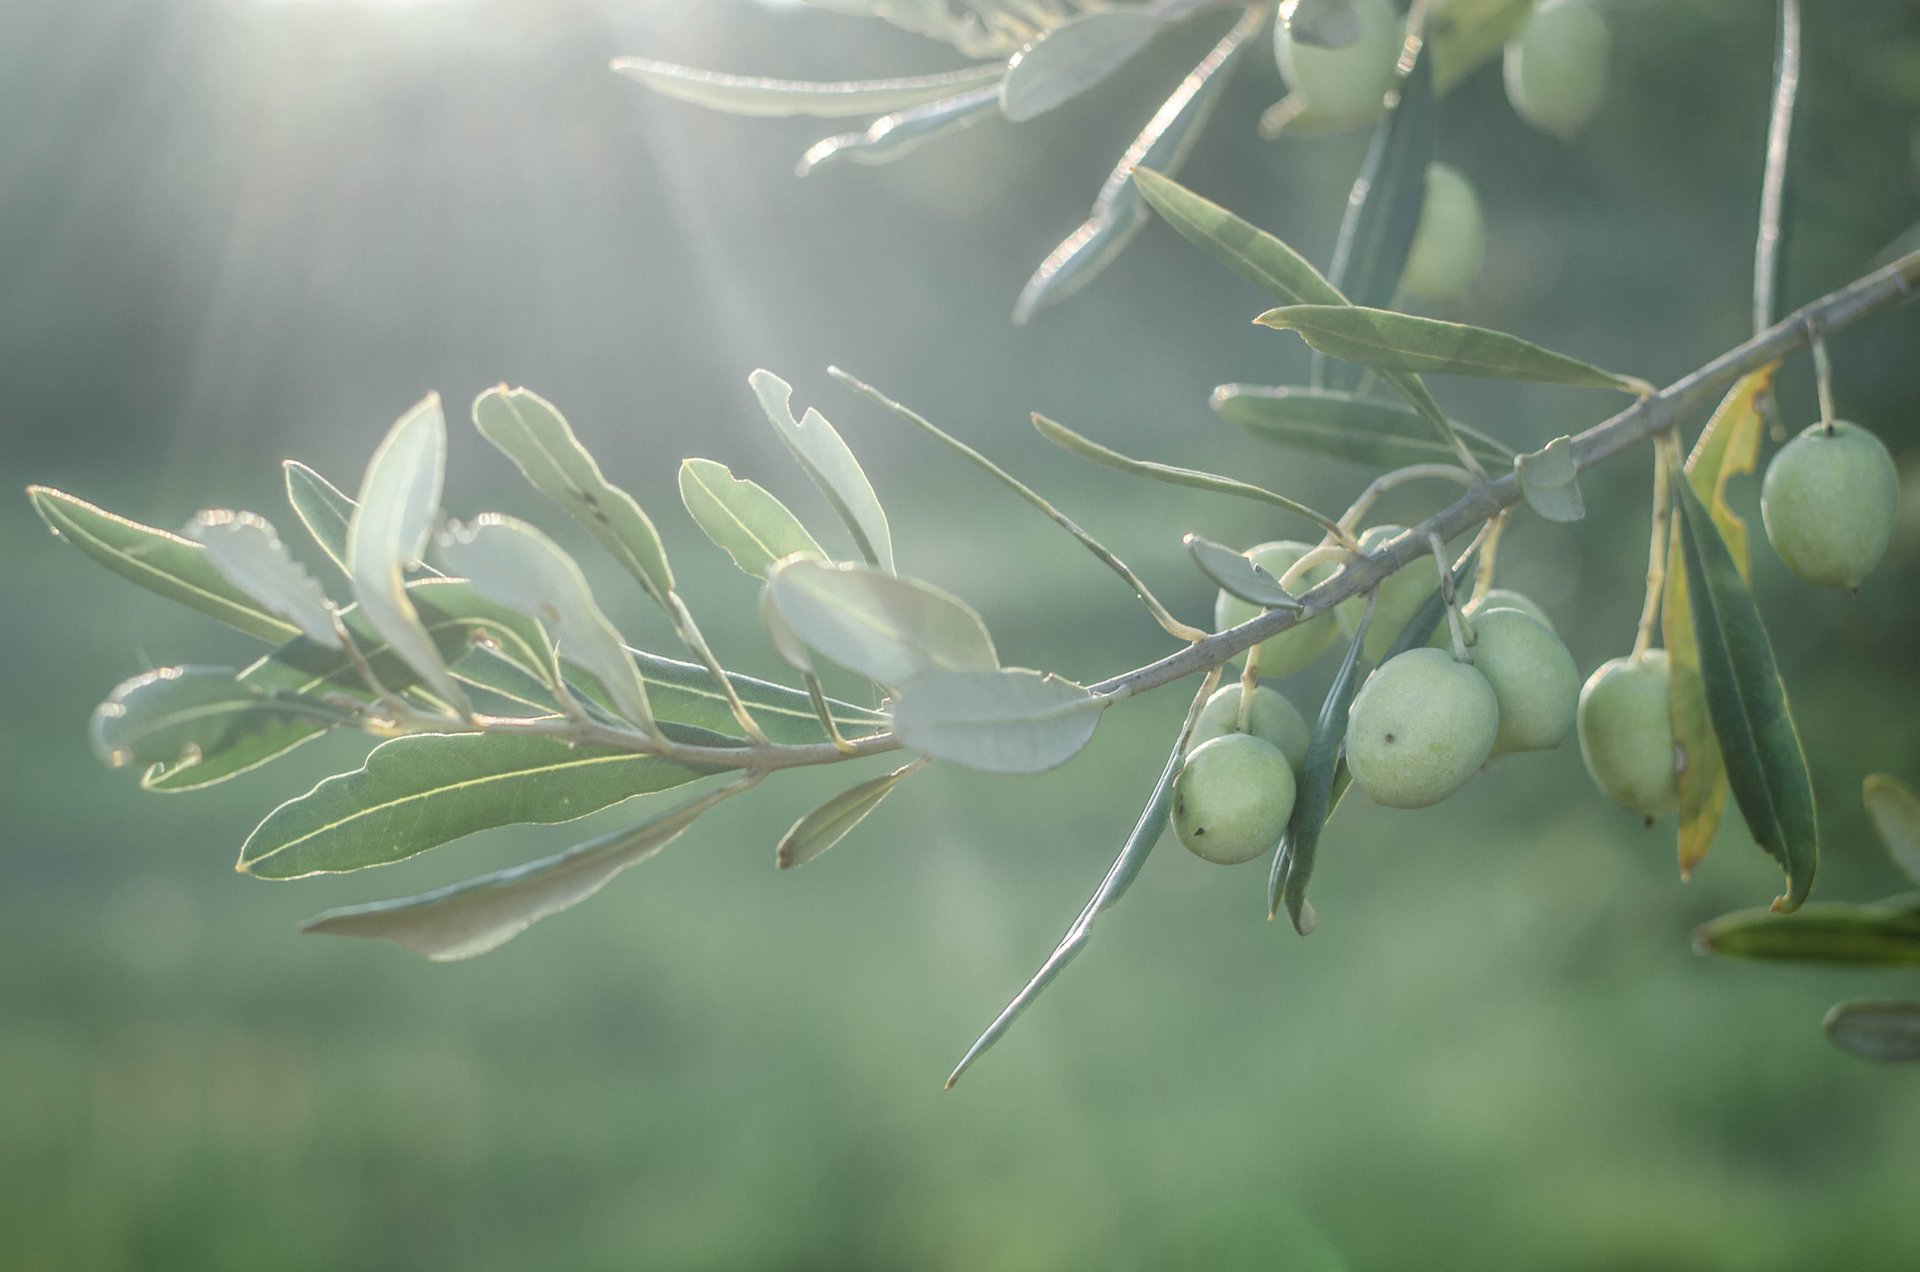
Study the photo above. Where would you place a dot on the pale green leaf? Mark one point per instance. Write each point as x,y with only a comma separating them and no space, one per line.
743,518
892,136
1887,1031
247,551
1895,811
1247,250
889,629
1361,430
828,824
831,464
1007,721
182,716
1073,58
778,98
1238,575
322,507
1550,480
419,792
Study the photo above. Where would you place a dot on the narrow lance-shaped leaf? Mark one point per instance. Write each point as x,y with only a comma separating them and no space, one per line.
1748,704
831,463
1247,250
530,432
1383,208
1007,721
1824,932
398,504
513,564
1402,342
163,563
828,824
1070,59
892,136
1895,812
889,629
1770,245
781,98
1126,867
182,716
1118,213
482,914
248,552
743,518
1085,447
1238,574
1550,481
418,792
323,509
1887,1031
1361,430
1314,791
1728,446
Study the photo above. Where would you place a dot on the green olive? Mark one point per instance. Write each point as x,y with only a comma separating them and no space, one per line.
1450,241
1829,502
1347,85
1626,734
1492,599
1556,69
1274,719
1232,799
1533,677
1419,728
1401,596
1294,648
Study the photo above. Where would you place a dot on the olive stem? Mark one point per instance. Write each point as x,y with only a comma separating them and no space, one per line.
1823,380
1249,681
1658,544
1456,626
1400,477
1483,573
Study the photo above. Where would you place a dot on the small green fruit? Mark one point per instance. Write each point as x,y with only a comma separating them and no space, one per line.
1533,678
1401,595
1274,719
1294,648
1450,242
1347,85
1232,799
1829,502
1556,69
1626,734
1492,599
1419,728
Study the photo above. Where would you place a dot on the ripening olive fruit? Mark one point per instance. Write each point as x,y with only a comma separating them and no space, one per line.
1232,798
1626,734
1419,728
1401,595
1274,719
1829,501
1556,68
1450,242
1492,599
1348,84
1533,678
1297,646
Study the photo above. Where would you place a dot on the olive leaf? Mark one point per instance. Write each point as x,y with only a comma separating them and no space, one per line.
183,716
780,98
421,791
828,460
471,918
1550,480
1888,1030
891,136
512,564
1361,430
163,563
394,516
528,430
1747,703
1383,209
1391,341
888,629
322,507
1464,34
1072,58
1237,574
1895,812
1823,932
1315,791
1009,720
1728,446
1118,213
247,550
828,824
743,518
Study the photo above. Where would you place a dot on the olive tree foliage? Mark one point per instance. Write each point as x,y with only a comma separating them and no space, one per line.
498,692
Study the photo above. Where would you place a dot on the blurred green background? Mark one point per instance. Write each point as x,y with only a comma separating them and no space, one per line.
237,230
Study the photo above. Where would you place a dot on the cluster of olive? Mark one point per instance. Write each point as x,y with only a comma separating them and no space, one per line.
1556,75
1828,501
1420,727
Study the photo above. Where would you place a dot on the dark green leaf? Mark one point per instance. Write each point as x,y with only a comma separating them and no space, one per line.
178,717
1824,932
1237,574
1383,208
1402,342
1747,703
1338,425
1314,792
419,792
162,563
757,95
1888,1031
828,824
